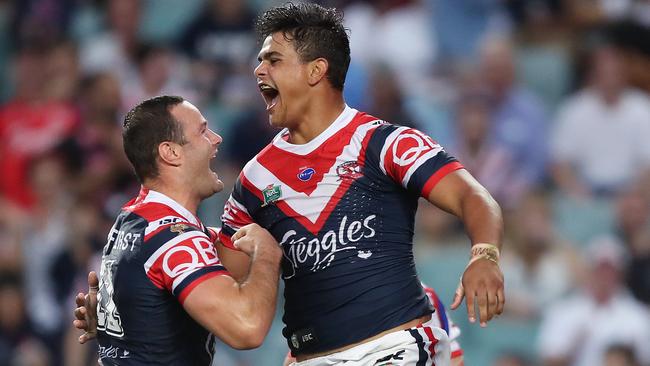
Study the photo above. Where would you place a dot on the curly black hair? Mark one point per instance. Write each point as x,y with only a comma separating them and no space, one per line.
315,32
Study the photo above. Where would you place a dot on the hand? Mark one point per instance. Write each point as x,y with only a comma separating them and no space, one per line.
482,281
86,312
252,238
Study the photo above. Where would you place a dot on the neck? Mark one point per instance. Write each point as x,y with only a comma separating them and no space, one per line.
176,192
317,118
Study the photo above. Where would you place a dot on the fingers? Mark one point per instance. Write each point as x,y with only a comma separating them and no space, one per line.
80,313
85,338
80,324
492,303
79,300
482,302
239,234
458,297
501,301
470,296
93,282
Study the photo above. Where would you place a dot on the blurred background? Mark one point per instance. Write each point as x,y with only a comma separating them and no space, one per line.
544,101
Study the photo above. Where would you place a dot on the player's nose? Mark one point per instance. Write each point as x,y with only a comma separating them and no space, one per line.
260,70
215,138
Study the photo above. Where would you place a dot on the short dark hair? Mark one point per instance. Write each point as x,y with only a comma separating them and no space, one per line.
315,32
146,126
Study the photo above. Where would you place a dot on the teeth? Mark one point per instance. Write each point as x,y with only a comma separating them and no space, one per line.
264,87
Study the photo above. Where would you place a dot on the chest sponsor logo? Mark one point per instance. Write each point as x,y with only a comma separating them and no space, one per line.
349,170
319,252
306,174
271,194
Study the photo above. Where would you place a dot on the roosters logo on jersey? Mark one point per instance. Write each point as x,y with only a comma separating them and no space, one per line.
349,170
319,252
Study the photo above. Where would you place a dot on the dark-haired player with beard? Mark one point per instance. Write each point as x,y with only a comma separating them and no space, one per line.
163,294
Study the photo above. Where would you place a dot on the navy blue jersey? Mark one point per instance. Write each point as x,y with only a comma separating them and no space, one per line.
342,207
156,253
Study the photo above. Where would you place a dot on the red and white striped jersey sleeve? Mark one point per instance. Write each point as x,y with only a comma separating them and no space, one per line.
184,259
414,160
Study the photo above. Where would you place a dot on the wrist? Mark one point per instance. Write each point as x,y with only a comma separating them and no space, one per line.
484,251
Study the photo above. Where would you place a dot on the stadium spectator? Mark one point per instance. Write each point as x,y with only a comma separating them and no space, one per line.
599,144
594,318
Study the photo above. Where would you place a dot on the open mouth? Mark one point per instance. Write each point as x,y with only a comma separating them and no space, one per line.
270,95
211,165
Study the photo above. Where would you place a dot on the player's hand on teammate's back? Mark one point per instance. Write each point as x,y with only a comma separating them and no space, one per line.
86,312
254,240
482,284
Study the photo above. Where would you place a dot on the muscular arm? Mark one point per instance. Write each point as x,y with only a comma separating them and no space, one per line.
236,262
460,194
240,313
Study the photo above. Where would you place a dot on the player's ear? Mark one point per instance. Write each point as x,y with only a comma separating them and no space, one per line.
170,153
317,70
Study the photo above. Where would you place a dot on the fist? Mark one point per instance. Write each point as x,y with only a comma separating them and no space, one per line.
253,239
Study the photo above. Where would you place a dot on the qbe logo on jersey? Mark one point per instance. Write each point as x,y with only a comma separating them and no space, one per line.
185,257
411,145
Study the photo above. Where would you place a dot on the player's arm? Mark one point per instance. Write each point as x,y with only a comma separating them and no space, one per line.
460,194
236,262
240,314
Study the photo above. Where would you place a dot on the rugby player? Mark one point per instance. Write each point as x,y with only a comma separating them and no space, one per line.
162,291
338,189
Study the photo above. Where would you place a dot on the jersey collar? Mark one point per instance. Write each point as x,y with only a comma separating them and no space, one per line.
339,123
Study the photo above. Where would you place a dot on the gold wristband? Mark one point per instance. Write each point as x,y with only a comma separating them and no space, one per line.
485,250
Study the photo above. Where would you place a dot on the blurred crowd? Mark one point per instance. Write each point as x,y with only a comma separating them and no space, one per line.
544,101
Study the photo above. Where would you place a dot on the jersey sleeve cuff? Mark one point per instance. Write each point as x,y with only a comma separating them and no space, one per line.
198,277
438,175
226,240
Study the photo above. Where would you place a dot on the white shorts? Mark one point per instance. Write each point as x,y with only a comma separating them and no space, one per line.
419,346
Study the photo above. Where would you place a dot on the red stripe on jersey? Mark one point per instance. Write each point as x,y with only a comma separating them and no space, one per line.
438,175
314,228
137,200
434,340
277,170
405,150
187,290
226,241
457,353
320,160
179,257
